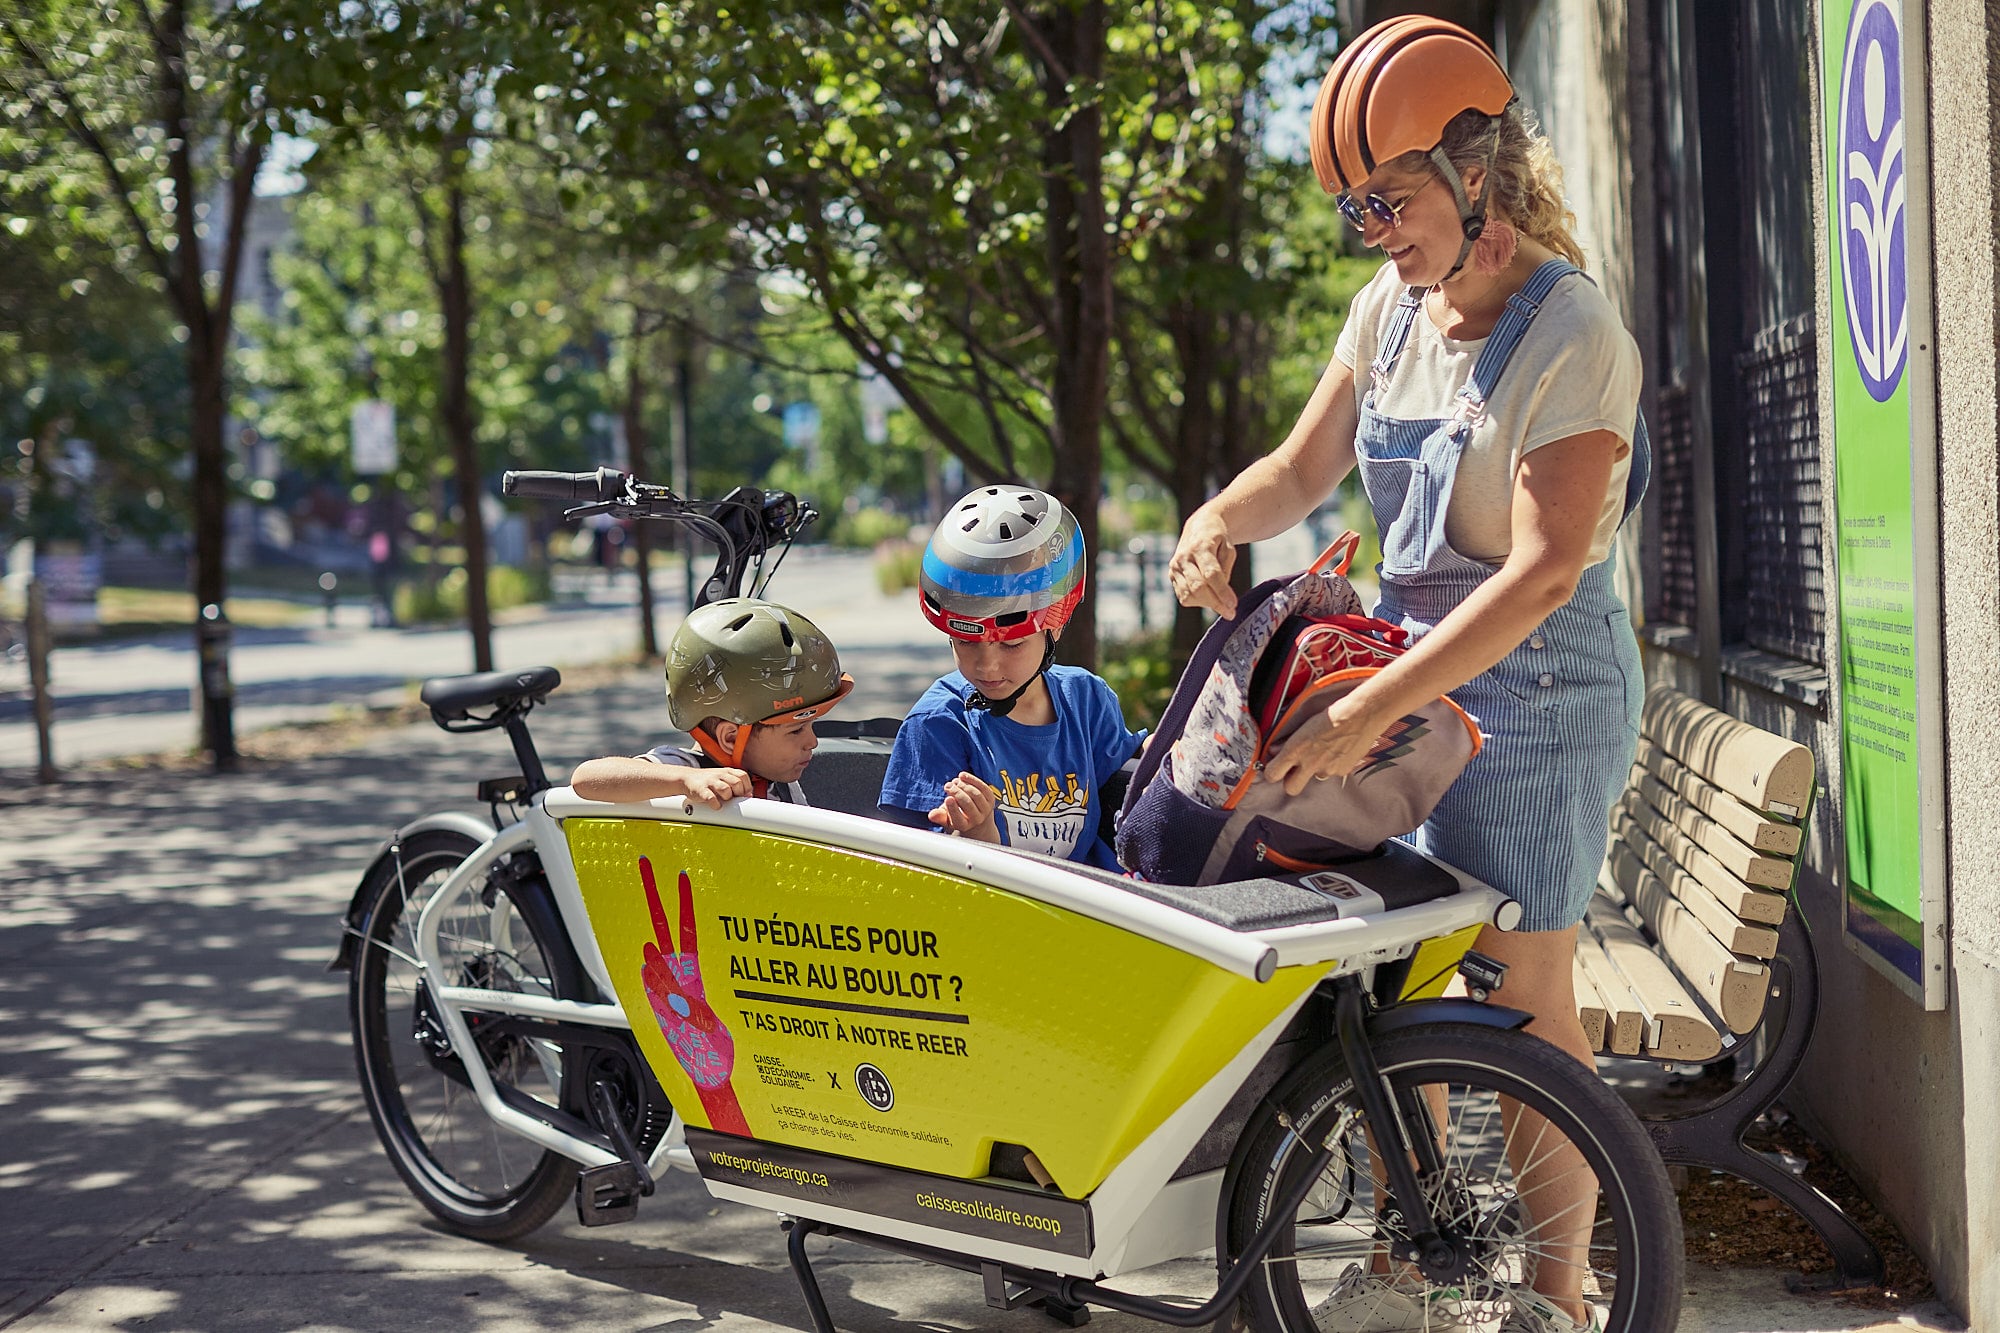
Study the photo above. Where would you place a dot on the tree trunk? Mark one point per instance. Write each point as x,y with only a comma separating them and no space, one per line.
455,297
206,379
1080,266
207,370
1195,451
636,455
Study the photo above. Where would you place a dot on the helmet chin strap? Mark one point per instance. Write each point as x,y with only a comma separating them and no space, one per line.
1002,707
1471,216
730,758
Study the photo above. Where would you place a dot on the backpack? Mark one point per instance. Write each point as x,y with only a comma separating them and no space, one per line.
1197,810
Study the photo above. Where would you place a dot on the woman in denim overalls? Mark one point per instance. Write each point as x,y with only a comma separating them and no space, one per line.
1417,131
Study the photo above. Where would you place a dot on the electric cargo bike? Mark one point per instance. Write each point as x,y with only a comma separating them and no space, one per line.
1039,1073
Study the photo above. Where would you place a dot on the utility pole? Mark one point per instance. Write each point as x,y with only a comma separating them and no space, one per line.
38,681
683,466
637,458
38,617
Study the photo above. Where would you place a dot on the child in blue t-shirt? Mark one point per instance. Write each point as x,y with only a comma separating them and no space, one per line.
1009,749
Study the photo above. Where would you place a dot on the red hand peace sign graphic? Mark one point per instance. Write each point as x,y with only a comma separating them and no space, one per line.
697,1037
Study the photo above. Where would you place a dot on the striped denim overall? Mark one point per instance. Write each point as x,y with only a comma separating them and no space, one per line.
1561,712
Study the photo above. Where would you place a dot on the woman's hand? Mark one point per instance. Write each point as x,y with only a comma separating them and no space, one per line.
967,809
1330,744
1199,569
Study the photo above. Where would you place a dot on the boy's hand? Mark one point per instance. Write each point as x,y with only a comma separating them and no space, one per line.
713,786
968,807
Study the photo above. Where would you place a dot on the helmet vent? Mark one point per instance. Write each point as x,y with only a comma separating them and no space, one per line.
970,525
1008,619
1006,533
737,624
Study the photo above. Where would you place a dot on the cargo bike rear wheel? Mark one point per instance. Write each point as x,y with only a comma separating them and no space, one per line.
501,933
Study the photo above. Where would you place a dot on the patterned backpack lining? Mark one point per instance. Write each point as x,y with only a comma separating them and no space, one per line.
1219,743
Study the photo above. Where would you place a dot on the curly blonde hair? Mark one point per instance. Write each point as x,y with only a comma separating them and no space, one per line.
1524,180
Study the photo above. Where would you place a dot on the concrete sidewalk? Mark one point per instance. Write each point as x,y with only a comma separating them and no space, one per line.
187,1148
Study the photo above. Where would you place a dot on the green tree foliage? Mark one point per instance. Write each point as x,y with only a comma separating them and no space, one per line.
960,188
88,354
433,84
1214,265
144,127
1050,225
936,178
361,320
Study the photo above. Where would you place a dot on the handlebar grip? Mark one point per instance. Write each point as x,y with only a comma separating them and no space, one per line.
569,487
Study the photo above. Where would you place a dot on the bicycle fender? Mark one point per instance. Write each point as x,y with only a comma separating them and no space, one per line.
1451,1009
452,821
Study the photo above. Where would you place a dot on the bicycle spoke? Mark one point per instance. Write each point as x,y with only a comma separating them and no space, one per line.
1493,1165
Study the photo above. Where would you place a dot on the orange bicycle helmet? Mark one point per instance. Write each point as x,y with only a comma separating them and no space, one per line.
1392,92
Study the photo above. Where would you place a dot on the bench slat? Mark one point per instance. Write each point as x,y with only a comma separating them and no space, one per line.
1754,868
1757,831
1624,1023
1752,904
1732,986
1589,1007
1658,902
1676,1029
1767,772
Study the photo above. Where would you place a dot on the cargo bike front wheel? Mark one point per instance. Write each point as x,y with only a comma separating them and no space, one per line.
1557,1209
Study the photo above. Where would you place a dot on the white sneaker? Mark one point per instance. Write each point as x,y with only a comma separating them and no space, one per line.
1533,1313
1373,1303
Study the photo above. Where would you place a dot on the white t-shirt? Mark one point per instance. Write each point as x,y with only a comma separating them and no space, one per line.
1575,370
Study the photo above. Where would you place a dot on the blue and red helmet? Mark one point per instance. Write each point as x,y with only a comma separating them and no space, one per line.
1006,562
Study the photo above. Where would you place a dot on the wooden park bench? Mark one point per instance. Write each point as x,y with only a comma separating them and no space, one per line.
1694,953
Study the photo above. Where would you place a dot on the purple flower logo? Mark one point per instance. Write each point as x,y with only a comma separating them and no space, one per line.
1869,216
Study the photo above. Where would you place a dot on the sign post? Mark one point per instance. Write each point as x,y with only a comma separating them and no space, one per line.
372,427
1885,493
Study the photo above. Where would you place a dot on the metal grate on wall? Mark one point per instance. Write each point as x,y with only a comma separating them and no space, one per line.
1672,598
1786,608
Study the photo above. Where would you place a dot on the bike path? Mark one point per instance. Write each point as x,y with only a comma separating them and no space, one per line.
186,1148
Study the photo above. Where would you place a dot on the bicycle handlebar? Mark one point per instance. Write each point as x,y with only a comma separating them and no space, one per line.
570,487
744,525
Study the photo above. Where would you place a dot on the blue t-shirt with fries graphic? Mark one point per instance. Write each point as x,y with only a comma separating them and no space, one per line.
1048,777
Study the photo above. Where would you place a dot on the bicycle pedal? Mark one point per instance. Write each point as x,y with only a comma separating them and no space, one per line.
608,1195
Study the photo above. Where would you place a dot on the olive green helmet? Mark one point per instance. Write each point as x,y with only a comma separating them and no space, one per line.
745,660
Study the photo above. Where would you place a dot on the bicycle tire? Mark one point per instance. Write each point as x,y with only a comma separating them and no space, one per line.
1634,1258
479,1180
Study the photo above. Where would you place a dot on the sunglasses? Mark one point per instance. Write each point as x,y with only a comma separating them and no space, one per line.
1384,212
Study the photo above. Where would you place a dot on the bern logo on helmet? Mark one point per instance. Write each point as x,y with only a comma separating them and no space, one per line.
792,702
964,626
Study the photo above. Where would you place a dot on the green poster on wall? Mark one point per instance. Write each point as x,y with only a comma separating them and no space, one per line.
1883,506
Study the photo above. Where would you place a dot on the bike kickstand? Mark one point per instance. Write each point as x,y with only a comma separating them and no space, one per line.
795,1247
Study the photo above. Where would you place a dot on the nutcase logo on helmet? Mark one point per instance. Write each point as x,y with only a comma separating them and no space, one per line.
964,626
